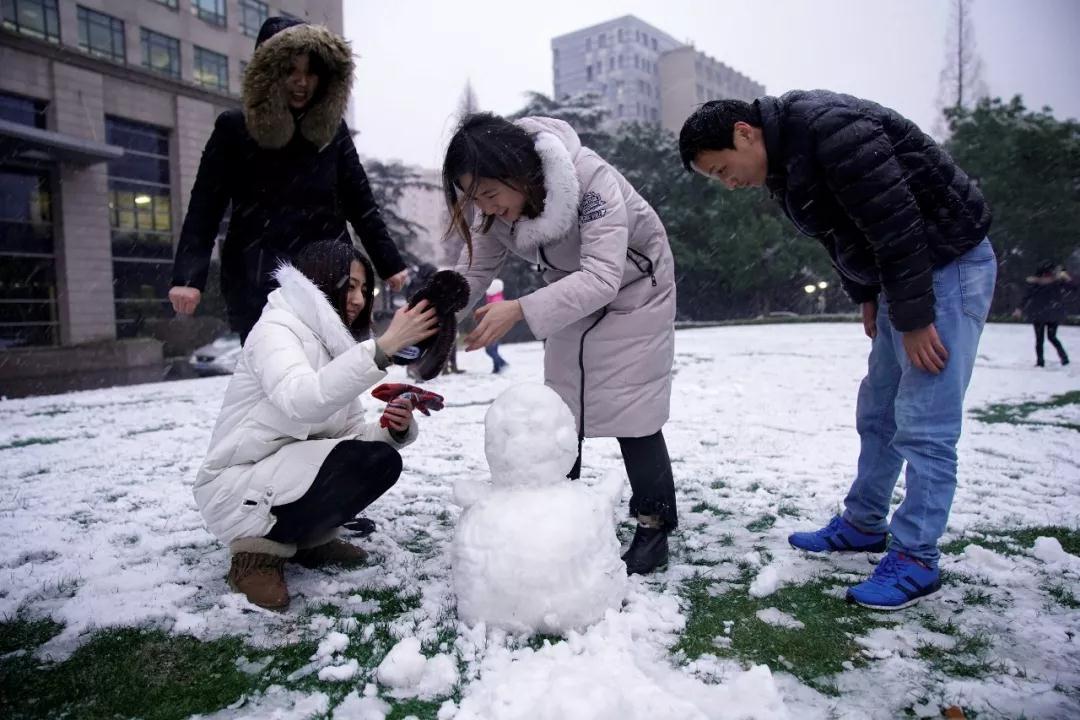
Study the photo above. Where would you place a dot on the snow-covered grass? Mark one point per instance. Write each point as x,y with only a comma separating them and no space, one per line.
113,600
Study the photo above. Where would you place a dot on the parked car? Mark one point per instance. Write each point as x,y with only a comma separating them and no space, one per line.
218,357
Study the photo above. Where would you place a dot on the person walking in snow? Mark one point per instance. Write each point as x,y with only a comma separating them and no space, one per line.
287,165
1044,307
906,230
607,313
291,457
495,294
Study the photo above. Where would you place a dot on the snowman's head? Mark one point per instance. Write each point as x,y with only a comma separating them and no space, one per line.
530,437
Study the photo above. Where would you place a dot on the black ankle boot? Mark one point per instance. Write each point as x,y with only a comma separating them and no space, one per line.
648,550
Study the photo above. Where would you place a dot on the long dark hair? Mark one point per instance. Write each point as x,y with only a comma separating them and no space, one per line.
488,146
326,263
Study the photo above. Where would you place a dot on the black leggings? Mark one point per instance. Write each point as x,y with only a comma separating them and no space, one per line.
649,468
1051,334
354,475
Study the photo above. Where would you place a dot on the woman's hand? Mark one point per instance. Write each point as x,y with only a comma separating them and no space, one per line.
494,321
399,415
398,281
408,327
184,299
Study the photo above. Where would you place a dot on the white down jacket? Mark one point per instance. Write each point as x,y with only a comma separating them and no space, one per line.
295,395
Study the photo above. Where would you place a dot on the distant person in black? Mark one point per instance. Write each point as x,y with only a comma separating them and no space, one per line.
1044,307
288,166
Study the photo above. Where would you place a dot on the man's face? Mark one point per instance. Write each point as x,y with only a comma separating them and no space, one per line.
744,166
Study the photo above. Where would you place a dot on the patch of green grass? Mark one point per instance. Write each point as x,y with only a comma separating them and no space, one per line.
1063,594
24,442
150,674
1014,542
22,634
1017,413
813,654
968,658
422,709
976,597
704,507
762,524
127,673
788,510
718,484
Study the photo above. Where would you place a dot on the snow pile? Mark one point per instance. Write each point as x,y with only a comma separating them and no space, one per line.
779,618
1049,550
535,552
617,670
410,674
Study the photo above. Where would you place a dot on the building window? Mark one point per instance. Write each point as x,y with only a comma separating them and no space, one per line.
253,14
161,53
599,67
101,35
37,18
211,11
588,44
611,63
140,217
637,61
211,69
601,41
23,111
588,73
171,4
622,35
28,313
654,43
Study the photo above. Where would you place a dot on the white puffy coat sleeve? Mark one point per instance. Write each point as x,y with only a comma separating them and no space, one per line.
357,425
277,358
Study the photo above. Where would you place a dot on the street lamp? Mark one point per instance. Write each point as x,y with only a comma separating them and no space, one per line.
810,289
822,285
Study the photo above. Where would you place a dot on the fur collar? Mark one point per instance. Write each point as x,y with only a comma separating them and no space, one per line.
562,195
298,296
266,109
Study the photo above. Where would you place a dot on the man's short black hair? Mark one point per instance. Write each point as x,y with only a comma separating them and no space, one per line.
712,127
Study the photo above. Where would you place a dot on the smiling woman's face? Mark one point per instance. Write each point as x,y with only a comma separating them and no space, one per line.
301,82
495,198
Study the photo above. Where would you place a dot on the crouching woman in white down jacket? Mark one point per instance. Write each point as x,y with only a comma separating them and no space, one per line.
291,456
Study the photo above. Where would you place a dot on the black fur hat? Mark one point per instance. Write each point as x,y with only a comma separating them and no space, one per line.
448,292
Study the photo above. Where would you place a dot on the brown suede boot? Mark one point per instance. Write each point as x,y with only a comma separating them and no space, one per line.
258,571
327,549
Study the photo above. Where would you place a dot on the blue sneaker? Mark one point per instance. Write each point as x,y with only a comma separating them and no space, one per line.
897,582
839,536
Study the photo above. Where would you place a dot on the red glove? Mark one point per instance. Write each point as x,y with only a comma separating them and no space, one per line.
420,398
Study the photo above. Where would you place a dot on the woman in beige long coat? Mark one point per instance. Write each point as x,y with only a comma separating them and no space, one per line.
607,313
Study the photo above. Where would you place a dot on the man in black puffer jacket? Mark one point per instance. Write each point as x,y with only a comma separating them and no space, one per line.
906,230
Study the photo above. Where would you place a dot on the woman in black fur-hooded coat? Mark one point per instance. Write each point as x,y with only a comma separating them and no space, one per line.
288,166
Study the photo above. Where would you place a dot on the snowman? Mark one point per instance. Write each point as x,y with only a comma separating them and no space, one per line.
533,551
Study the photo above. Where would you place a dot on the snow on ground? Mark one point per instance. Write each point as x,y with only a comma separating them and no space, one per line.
98,529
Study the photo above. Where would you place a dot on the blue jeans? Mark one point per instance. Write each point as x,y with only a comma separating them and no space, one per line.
904,413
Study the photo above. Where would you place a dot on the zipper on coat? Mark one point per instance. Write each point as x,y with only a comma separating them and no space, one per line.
581,367
648,269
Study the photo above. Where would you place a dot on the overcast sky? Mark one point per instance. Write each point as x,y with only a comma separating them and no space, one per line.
415,55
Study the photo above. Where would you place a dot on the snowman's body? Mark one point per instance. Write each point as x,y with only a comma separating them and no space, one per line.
535,552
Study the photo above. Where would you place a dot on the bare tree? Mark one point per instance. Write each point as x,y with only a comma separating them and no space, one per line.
961,77
467,104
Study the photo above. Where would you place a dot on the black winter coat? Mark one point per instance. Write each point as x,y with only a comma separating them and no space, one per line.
886,201
291,179
1046,299
282,200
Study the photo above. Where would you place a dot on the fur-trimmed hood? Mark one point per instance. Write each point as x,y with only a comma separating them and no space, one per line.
558,145
299,297
266,109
